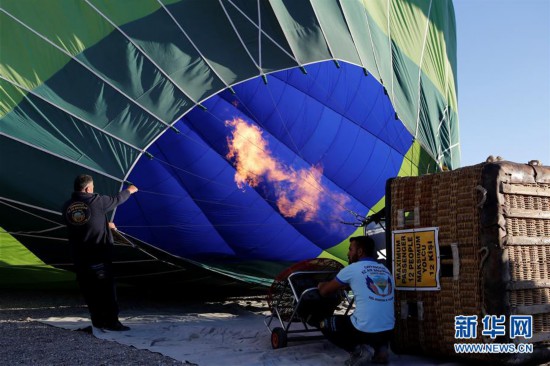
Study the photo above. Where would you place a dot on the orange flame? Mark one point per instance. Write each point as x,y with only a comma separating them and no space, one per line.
296,191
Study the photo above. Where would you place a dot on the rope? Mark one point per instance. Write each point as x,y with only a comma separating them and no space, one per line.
141,51
372,42
20,233
257,121
420,69
243,43
2,199
226,273
202,144
260,31
36,231
221,203
319,187
153,274
133,245
322,87
87,67
392,76
33,232
206,225
485,255
484,196
322,190
81,119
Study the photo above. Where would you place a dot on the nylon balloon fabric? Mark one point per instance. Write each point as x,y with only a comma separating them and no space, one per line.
260,133
271,171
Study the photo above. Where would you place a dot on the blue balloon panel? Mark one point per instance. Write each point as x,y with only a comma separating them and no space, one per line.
271,171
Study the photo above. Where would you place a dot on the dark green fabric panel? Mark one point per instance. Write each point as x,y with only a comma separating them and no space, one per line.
416,27
426,163
79,91
425,131
433,108
19,62
429,119
161,39
302,30
405,89
82,94
207,25
125,67
439,136
334,26
381,41
443,19
9,97
445,137
24,170
454,160
75,25
358,23
49,128
272,57
126,11
72,25
418,161
130,71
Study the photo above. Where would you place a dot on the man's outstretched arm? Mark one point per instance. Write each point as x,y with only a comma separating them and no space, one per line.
329,287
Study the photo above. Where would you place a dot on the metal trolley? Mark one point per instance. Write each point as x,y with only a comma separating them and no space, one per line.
294,299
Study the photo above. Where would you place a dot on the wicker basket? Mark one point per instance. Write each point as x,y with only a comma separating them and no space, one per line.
493,223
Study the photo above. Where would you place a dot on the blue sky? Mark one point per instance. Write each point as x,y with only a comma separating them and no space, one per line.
503,79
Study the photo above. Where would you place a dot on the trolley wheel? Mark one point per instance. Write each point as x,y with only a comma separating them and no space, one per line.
278,338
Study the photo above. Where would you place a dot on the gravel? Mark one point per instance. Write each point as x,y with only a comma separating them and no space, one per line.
24,341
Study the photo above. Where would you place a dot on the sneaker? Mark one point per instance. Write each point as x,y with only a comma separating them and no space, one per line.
361,356
117,327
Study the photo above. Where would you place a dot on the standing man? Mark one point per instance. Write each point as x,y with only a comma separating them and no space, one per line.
91,243
371,324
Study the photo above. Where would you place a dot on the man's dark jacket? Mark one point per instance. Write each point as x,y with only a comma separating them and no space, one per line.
90,238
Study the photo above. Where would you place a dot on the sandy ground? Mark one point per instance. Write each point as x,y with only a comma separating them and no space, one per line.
26,341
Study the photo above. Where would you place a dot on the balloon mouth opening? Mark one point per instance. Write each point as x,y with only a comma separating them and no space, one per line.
270,170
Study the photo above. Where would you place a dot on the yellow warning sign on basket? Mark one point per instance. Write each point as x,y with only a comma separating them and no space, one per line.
415,259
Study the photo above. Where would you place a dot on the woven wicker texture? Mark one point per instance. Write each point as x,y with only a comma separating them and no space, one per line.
452,202
448,201
529,262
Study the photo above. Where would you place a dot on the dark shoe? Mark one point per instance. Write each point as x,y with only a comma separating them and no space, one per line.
381,357
313,321
380,360
361,356
117,327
